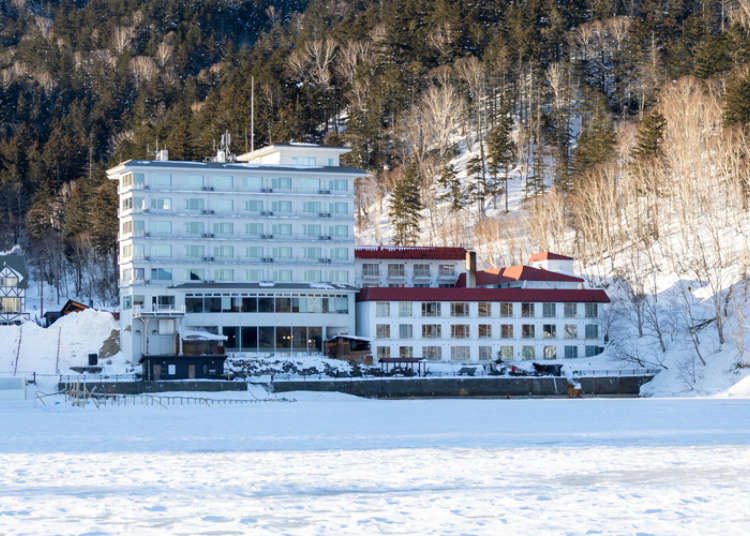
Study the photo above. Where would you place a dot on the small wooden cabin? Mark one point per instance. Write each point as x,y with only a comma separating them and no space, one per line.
183,367
350,348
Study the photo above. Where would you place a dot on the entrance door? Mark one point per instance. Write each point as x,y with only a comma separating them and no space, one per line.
191,371
157,371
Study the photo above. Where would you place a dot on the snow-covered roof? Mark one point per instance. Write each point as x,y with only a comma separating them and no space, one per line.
549,256
189,334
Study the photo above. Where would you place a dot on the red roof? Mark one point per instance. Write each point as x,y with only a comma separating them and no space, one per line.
517,273
482,294
392,252
549,256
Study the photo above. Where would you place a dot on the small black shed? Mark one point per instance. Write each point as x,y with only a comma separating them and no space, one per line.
183,367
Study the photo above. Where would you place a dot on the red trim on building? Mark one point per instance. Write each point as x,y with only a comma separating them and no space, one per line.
388,252
517,273
482,294
549,256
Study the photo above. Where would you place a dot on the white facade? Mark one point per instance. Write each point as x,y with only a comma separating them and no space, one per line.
295,154
466,330
228,231
408,267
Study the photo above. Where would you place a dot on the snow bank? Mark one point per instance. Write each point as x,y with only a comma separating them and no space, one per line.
31,348
741,389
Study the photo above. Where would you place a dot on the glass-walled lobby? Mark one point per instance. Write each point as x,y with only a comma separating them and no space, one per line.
274,339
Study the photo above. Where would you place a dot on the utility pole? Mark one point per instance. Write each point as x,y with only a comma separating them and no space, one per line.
252,113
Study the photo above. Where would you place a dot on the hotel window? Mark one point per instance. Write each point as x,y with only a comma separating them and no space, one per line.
549,310
311,230
527,331
224,251
430,308
527,310
161,274
281,184
254,205
591,310
405,331
396,270
382,309
338,209
370,270
224,274
139,227
161,203
312,253
313,276
570,310
485,331
383,331
254,229
338,185
192,182
431,331
223,228
528,352
571,352
592,331
160,180
281,207
421,270
506,310
254,252
196,274
550,352
485,353
139,251
431,352
127,274
194,227
383,351
161,227
506,331
253,184
161,250
460,353
126,180
282,253
405,351
282,276
222,205
484,309
222,182
339,231
304,161
307,185
339,254
459,309
281,229
127,302
593,350
506,352
311,207
339,276
254,275
404,308
460,331
446,270
195,204
139,274
127,203
549,331
127,251
571,331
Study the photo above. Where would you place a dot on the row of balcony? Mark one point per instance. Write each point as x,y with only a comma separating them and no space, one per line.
212,190
236,214
236,260
244,238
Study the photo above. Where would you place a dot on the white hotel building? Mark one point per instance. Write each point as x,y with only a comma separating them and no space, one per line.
260,250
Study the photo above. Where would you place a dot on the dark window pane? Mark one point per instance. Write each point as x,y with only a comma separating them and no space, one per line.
283,339
193,305
299,339
250,305
231,334
283,305
265,305
213,305
249,339
315,339
265,339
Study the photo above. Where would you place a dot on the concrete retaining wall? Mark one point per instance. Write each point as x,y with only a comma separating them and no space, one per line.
456,387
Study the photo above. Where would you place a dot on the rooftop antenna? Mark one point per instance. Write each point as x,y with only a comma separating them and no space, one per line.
252,113
223,154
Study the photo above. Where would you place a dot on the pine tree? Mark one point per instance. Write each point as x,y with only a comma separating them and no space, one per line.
650,136
737,109
453,190
500,150
406,204
596,142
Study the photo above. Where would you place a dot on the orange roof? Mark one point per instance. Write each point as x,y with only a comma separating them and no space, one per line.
517,273
549,256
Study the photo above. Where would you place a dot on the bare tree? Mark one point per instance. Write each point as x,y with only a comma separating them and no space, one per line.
121,37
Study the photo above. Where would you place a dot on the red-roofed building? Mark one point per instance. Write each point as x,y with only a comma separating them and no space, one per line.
513,313
553,262
385,266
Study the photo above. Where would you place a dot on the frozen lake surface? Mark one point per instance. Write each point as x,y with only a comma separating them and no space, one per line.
331,464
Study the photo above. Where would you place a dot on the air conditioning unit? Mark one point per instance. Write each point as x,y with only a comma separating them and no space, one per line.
267,259
266,213
324,191
207,188
324,215
208,259
146,258
146,234
147,187
266,236
266,190
325,261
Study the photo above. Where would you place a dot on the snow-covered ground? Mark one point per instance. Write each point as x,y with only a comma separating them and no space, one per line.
334,464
